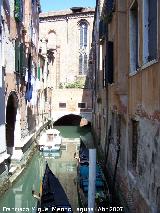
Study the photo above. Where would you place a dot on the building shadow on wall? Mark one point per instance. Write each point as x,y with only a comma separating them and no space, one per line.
31,120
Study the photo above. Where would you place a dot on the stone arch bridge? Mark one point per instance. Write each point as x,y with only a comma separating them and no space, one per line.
57,115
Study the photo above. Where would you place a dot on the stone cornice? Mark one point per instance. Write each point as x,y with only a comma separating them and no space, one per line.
66,17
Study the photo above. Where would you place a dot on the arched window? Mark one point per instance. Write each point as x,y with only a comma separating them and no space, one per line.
83,34
82,64
51,40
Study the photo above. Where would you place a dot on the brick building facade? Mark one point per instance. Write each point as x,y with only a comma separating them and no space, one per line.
19,116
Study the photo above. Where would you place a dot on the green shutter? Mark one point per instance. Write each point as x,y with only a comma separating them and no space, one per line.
39,72
17,10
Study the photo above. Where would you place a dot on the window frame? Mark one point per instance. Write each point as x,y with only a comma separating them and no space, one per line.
146,34
83,35
133,49
82,103
62,107
83,65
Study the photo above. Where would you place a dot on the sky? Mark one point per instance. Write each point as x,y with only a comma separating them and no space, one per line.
49,5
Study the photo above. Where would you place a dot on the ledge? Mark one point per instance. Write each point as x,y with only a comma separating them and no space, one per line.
3,157
144,66
30,138
148,64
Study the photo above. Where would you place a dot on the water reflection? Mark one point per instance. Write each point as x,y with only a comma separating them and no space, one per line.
19,196
62,164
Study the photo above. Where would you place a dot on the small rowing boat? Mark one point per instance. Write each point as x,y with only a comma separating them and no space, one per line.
50,141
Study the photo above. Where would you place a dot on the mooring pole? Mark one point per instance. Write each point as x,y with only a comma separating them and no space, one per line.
92,180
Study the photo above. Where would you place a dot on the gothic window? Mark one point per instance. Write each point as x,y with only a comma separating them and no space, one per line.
83,64
83,35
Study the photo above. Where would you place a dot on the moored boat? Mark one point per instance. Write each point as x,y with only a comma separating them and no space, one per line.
102,195
50,141
53,197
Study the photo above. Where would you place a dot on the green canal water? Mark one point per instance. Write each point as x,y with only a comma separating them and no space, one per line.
19,197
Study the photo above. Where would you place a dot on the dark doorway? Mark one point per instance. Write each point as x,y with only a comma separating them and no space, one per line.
11,112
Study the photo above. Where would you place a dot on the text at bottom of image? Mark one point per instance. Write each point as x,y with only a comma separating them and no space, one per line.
99,209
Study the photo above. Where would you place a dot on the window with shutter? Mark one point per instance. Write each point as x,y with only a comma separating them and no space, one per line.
134,38
109,63
22,59
109,5
102,29
39,73
18,10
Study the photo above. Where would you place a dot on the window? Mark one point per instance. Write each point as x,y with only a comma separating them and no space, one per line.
149,30
51,44
18,10
135,125
109,63
110,6
134,37
19,57
83,35
82,105
83,64
104,74
83,57
62,105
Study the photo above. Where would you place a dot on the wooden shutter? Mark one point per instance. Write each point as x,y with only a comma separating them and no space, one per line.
109,63
109,5
17,10
39,72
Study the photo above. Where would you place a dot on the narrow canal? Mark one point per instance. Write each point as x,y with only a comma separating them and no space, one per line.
19,197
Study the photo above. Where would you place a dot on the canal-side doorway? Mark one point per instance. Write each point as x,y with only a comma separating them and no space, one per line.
11,112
